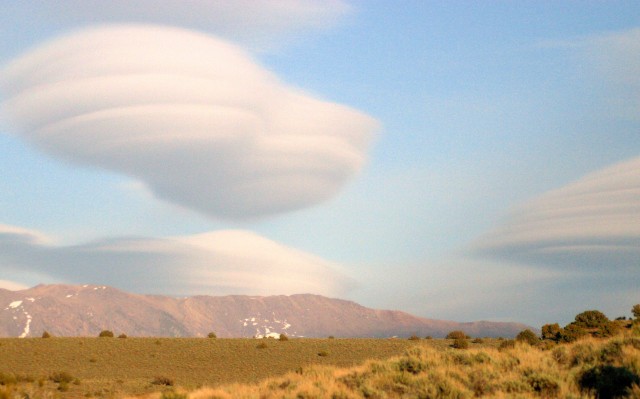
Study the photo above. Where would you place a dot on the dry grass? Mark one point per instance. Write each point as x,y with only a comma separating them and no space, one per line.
293,369
106,367
427,372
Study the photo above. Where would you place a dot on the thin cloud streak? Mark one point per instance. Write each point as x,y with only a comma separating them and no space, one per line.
262,25
191,116
217,263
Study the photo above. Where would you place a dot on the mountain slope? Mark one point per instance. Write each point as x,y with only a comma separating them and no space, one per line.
65,310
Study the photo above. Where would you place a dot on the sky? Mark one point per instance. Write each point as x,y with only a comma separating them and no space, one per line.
452,159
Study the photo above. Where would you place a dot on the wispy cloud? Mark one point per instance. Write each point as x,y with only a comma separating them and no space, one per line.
191,116
216,263
259,24
591,224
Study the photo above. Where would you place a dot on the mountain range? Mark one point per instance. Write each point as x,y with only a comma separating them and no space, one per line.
67,310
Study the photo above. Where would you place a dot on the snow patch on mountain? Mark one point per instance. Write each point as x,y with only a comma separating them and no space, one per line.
27,327
270,328
17,307
14,304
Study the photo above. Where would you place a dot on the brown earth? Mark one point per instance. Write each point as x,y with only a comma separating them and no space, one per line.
65,310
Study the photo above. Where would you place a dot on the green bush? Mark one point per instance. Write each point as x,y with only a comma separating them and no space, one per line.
636,311
414,338
460,343
572,332
46,334
608,381
8,379
61,376
262,345
323,353
560,355
105,334
591,319
123,335
552,332
507,344
411,365
527,336
162,380
283,337
212,335
457,334
544,385
477,341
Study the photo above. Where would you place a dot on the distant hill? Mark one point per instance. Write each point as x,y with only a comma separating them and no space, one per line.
65,310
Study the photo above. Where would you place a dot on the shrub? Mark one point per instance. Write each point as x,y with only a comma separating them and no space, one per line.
323,353
212,335
162,380
63,386
572,332
543,384
411,365
106,333
332,337
591,319
123,335
61,376
551,332
560,355
477,341
428,337
8,379
46,334
507,344
262,345
457,334
460,343
608,381
414,338
636,311
527,336
283,337
612,352
584,353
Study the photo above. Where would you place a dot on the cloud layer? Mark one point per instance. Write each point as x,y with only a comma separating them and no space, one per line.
217,263
259,24
191,116
591,224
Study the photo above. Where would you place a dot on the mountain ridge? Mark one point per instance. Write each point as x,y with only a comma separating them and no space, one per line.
69,310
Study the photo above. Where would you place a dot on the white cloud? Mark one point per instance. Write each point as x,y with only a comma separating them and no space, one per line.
591,224
260,24
191,116
217,263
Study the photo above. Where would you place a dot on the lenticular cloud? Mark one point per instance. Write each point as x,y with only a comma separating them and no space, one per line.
591,224
227,262
191,116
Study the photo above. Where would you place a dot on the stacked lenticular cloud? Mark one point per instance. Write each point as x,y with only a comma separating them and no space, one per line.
591,224
191,116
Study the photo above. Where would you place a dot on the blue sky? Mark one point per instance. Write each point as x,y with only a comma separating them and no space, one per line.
456,160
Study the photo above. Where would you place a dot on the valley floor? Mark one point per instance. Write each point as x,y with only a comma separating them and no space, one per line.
317,368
